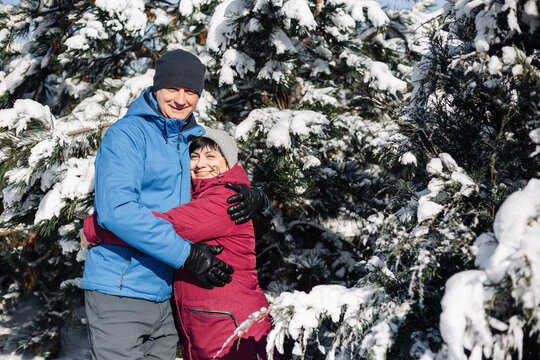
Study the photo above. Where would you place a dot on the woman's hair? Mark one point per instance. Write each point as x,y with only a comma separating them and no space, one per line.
203,142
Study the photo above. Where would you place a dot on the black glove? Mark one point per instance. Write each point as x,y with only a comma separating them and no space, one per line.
205,266
251,201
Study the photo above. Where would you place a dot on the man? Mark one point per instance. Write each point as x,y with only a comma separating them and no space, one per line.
142,165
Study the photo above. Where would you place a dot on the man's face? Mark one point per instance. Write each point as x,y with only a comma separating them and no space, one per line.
176,103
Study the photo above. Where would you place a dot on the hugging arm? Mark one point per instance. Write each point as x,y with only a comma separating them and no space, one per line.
119,163
199,220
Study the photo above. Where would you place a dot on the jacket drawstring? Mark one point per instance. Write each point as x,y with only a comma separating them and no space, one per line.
179,136
164,132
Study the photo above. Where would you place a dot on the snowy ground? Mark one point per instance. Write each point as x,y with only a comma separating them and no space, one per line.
74,339
11,325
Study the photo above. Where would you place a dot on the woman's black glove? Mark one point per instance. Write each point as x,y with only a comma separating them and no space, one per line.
251,201
205,266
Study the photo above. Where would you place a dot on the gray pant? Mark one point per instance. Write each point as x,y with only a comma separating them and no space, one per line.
128,329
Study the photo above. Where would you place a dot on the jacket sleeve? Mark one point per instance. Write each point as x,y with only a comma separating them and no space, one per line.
204,218
96,234
119,165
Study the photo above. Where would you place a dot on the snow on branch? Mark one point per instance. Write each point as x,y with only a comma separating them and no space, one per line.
512,252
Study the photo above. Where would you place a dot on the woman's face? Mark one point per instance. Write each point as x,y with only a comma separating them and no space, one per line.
207,163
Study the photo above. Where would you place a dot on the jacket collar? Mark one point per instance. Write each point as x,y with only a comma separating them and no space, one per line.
171,127
236,175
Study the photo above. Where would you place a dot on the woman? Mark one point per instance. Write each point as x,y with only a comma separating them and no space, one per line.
208,317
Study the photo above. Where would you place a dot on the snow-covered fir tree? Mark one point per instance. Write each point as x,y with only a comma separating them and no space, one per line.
473,129
400,150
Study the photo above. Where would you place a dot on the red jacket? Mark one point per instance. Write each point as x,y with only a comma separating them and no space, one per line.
208,317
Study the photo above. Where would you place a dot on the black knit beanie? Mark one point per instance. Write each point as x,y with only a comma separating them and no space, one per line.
179,68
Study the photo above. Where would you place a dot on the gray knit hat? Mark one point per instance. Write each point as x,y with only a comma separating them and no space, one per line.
179,68
226,144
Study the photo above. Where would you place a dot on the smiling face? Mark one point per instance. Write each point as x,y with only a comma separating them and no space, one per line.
207,162
176,103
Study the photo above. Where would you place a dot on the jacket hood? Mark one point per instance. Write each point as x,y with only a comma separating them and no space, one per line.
236,175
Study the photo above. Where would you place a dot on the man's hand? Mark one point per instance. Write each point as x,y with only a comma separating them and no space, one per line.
205,266
251,201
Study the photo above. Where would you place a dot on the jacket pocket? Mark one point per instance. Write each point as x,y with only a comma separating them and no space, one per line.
215,314
208,330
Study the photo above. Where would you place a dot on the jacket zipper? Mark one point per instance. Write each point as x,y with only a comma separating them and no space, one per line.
123,273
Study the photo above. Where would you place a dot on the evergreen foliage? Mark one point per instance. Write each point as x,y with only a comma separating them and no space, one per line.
389,188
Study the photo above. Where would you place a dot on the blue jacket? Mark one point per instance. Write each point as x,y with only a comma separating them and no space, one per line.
142,165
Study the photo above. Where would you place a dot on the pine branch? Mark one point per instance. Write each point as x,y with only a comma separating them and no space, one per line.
85,130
